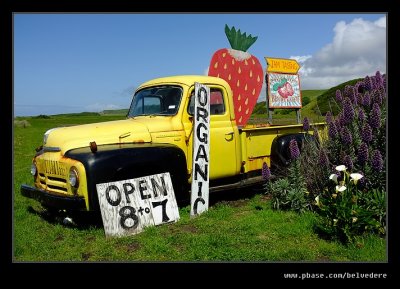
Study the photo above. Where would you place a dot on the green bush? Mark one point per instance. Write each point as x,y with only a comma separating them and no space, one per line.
289,193
305,100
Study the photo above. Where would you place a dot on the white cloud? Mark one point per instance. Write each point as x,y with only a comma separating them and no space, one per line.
357,49
97,107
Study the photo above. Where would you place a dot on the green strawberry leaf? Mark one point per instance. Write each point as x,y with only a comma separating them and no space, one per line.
238,40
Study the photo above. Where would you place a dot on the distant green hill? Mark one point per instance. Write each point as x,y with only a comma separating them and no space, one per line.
327,101
85,113
115,111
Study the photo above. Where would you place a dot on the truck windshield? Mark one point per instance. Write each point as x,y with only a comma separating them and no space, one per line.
160,100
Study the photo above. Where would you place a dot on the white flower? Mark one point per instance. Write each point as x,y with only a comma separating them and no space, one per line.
335,221
340,188
354,219
333,177
317,201
341,168
356,177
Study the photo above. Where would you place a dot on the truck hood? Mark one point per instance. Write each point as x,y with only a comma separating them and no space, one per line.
120,131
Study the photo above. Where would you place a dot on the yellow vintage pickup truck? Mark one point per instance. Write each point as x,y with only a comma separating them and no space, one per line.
155,137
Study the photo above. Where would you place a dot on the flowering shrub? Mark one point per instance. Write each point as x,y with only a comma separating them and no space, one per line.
356,136
346,210
353,203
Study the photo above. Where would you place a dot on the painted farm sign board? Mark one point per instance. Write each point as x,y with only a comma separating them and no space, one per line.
201,151
128,206
284,90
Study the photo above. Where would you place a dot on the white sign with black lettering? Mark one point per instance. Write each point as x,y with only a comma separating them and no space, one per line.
128,206
201,150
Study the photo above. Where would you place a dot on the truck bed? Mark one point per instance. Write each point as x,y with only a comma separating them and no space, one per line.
256,141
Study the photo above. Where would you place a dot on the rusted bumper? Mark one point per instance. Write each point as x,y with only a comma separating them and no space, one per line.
51,200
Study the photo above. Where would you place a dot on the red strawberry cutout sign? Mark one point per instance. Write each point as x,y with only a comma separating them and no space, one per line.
241,70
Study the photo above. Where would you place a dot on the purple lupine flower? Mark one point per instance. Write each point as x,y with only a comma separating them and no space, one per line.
323,158
361,115
348,162
360,86
362,155
383,93
266,173
346,136
328,117
359,98
348,111
376,161
306,124
366,100
294,149
332,131
316,133
366,133
375,116
377,96
340,121
378,79
348,91
356,86
353,95
339,97
368,83
373,80
384,81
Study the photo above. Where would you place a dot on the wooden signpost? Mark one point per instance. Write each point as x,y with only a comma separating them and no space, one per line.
283,85
128,206
201,151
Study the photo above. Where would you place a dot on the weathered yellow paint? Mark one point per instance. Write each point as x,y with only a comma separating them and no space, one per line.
53,175
78,136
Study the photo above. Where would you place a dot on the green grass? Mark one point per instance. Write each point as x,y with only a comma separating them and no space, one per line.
241,229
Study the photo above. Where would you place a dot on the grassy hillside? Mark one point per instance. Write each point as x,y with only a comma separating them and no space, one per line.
327,101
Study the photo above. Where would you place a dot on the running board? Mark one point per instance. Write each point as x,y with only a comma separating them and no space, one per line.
240,184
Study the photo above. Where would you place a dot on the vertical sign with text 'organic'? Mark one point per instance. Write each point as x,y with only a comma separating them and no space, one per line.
201,150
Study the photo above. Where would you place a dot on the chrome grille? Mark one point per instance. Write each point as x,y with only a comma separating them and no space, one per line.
52,176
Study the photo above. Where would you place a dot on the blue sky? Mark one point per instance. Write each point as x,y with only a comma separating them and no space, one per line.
89,62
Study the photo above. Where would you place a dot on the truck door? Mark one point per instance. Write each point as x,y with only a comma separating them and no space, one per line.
223,152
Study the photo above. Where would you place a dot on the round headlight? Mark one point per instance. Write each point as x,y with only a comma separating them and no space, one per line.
33,169
74,177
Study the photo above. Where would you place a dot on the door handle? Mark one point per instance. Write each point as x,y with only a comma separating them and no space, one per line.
229,136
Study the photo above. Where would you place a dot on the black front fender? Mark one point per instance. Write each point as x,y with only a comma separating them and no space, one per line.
119,162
